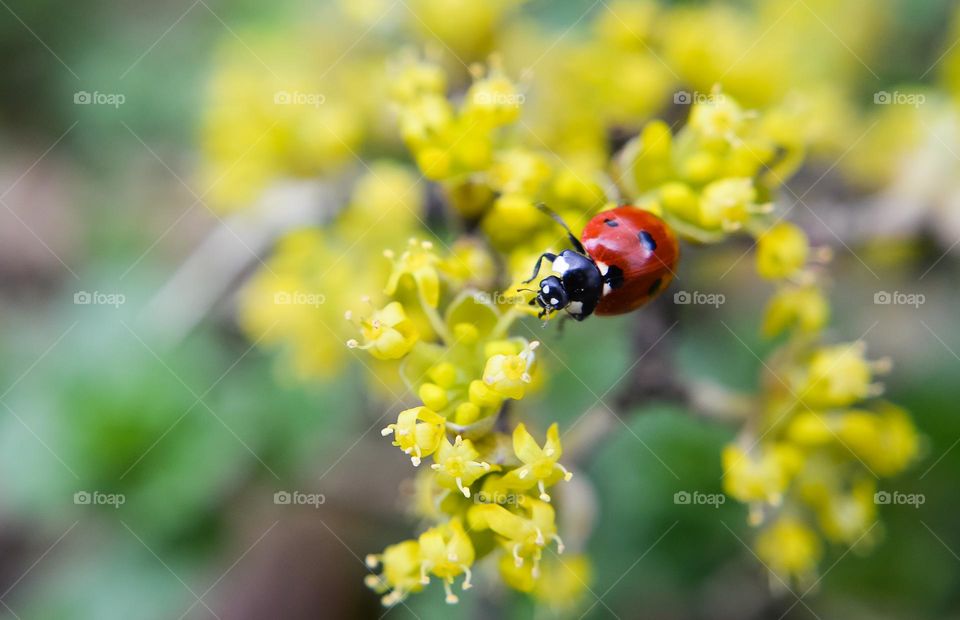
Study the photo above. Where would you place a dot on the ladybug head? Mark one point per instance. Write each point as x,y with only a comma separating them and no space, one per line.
552,296
577,289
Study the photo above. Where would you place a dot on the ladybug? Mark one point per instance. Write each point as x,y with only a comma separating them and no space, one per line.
627,256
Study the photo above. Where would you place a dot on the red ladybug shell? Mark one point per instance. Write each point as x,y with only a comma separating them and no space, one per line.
641,245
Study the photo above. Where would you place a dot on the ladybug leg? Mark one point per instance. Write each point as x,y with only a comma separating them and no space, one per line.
545,314
536,268
559,220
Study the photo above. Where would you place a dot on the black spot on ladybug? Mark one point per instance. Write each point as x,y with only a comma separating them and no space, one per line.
655,286
614,276
646,239
611,223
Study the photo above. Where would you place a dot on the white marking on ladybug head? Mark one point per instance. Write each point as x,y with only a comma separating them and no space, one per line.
554,301
603,267
606,289
560,265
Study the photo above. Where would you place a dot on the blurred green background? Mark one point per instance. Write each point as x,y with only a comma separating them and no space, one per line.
198,431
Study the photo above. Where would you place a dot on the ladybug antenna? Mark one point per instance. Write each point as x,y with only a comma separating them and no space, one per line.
559,220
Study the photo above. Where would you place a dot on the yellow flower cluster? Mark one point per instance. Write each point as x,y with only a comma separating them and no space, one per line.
292,104
295,303
487,172
277,111
716,175
774,56
809,461
484,483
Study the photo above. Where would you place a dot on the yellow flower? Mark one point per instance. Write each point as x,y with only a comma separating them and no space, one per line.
728,203
803,308
466,413
887,441
822,475
401,571
519,171
844,517
292,303
388,334
426,496
467,28
719,116
426,118
418,432
560,585
482,396
433,396
701,167
575,184
494,100
456,465
649,155
446,552
564,582
627,24
838,376
509,375
435,162
680,200
519,577
811,429
386,197
789,548
511,220
782,251
415,79
524,535
540,467
420,262
761,475
470,263
268,121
